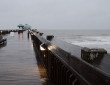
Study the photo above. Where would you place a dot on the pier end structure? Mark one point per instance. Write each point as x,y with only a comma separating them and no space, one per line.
20,26
65,65
23,27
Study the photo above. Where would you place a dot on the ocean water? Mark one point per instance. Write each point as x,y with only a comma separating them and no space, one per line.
84,38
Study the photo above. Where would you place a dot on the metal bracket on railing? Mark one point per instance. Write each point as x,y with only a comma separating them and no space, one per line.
49,37
37,32
41,34
91,54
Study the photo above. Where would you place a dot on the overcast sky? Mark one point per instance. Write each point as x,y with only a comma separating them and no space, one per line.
55,14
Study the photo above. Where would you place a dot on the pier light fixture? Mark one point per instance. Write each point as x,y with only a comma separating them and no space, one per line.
42,47
31,33
34,33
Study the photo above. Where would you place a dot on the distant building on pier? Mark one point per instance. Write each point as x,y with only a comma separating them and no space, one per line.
26,26
23,27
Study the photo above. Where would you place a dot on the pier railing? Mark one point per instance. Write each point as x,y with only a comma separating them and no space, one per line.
64,64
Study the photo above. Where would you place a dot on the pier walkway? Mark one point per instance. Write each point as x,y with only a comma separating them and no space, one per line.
18,64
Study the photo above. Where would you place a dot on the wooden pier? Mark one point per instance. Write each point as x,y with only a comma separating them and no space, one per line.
34,58
19,64
68,64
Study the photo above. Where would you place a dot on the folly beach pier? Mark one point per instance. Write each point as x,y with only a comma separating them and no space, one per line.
18,61
31,57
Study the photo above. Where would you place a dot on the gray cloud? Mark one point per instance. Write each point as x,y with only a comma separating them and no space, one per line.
55,14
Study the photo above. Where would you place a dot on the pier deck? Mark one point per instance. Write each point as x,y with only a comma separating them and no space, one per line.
18,64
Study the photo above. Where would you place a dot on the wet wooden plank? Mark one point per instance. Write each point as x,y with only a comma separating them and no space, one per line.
18,64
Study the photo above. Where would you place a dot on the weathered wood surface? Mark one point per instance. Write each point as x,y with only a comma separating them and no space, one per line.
18,64
96,72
